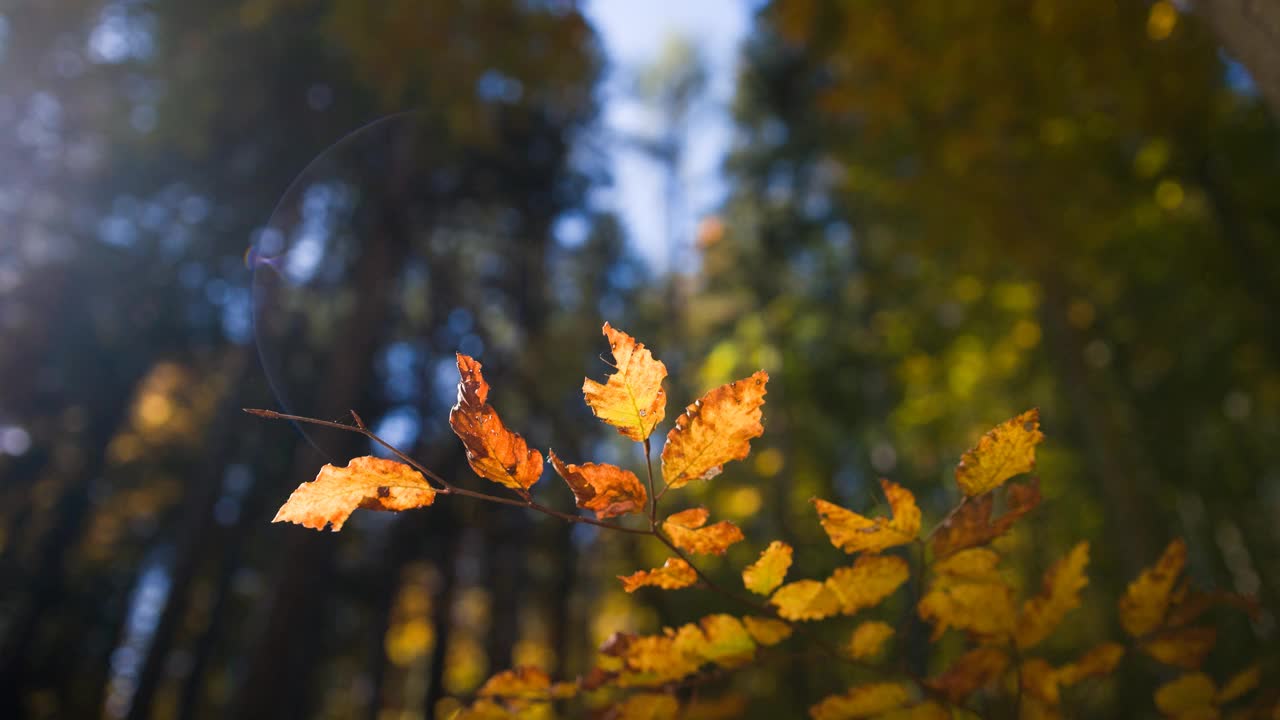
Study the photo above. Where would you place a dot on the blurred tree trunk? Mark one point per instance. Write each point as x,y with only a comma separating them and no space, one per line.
1250,30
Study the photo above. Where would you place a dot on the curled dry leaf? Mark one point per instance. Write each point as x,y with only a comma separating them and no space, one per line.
494,452
686,531
867,582
632,399
868,639
972,524
607,489
805,600
1059,595
1146,601
673,575
1007,450
366,482
765,575
852,532
714,430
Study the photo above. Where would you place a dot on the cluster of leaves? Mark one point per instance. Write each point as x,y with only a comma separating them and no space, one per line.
961,585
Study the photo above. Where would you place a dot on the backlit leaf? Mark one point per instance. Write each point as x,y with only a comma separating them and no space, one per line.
1146,601
714,430
1099,661
981,608
632,399
1060,594
1191,695
727,641
869,638
765,575
366,482
1182,647
767,631
970,672
974,564
863,701
805,600
494,452
1007,450
852,532
1040,680
674,574
647,706
1243,682
867,582
687,532
521,682
972,524
607,489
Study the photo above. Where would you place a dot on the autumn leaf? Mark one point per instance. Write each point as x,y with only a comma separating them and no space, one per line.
521,682
714,430
1007,450
980,608
973,565
867,582
607,489
1045,682
863,701
805,600
1059,595
1191,695
852,532
725,640
1146,601
767,631
674,574
928,710
1099,661
765,575
1243,682
868,639
686,531
484,710
1182,647
972,524
366,482
647,706
970,672
494,452
632,399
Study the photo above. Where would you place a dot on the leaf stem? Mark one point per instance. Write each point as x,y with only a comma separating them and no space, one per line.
653,499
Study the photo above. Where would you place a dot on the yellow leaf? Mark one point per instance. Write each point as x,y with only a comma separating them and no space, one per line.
924,711
981,608
728,642
972,524
607,489
686,531
1007,450
869,639
867,582
1190,695
1183,647
974,564
673,575
1040,680
1146,601
714,430
971,671
522,682
632,399
805,600
1243,682
494,452
1099,661
484,710
366,482
1059,595
647,706
766,574
767,631
852,532
863,701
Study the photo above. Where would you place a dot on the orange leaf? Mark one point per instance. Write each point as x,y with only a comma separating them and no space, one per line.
673,575
767,631
973,670
521,682
607,489
366,482
632,399
495,453
1060,595
1007,450
766,574
714,430
1147,599
1184,647
805,600
867,582
863,701
686,531
972,525
869,639
852,532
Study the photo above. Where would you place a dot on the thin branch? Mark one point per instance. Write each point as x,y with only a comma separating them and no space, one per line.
943,522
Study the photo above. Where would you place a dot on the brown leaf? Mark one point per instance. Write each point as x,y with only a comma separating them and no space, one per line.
494,452
1007,450
1146,601
969,673
972,524
673,575
686,531
632,399
366,482
607,489
852,532
714,430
